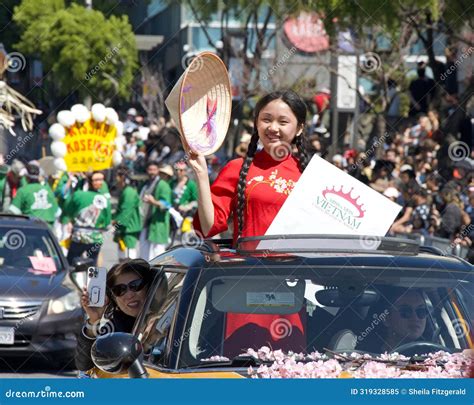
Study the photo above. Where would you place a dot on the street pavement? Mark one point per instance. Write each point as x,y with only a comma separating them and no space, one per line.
37,368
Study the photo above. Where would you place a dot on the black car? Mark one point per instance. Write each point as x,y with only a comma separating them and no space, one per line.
40,310
302,294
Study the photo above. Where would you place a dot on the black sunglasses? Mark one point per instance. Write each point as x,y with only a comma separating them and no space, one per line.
406,312
135,285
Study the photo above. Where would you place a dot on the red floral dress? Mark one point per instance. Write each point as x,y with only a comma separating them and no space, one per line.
269,182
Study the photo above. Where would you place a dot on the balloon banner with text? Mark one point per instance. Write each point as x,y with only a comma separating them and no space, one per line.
86,141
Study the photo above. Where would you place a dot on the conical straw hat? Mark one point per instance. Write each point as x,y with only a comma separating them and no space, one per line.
200,104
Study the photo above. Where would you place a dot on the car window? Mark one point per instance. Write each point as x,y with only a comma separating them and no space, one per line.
155,333
231,314
31,250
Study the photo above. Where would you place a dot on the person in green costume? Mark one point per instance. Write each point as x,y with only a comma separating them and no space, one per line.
156,198
5,198
127,220
90,213
34,198
185,192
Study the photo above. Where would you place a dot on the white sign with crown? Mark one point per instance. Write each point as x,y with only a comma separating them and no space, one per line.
327,200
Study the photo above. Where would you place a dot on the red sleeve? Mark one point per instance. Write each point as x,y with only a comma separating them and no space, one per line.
224,197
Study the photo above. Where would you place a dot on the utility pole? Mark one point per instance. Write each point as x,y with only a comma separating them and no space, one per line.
333,104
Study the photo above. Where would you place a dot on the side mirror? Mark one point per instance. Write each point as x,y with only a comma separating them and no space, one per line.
80,264
78,272
119,352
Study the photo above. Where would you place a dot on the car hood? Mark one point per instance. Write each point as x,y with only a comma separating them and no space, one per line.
32,287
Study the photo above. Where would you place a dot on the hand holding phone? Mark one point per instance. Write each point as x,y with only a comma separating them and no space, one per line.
94,314
96,286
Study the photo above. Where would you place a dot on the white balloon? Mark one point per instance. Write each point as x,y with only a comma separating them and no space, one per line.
117,158
98,112
119,128
111,116
60,164
57,132
120,142
66,118
81,113
58,149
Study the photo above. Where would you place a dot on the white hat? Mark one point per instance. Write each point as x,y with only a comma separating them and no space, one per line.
132,111
404,168
338,158
17,167
200,103
245,138
391,192
167,169
143,133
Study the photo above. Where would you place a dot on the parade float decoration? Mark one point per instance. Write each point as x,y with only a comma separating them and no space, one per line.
85,141
201,102
278,364
13,103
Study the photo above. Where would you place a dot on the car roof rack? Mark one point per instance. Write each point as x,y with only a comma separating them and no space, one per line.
11,215
317,244
433,250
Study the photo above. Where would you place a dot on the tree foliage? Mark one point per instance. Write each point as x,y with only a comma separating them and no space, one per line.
82,50
8,29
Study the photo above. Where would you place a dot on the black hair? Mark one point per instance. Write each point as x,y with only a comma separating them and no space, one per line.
411,174
32,173
124,171
139,267
299,108
422,192
89,175
421,70
152,163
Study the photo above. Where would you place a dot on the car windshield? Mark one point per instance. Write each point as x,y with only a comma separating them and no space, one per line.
317,310
28,250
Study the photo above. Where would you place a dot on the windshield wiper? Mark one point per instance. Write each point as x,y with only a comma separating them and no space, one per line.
237,362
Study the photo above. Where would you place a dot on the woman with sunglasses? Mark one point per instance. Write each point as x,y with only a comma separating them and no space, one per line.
402,317
406,320
127,286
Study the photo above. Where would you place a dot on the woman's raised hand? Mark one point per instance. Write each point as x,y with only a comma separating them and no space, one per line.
198,163
94,313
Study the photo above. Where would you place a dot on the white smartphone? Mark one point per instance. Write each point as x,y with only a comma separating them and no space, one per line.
96,285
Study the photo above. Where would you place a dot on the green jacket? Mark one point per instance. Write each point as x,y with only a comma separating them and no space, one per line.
36,200
104,190
3,189
59,189
189,194
90,211
128,218
159,221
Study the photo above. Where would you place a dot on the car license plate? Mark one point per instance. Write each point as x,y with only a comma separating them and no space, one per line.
7,336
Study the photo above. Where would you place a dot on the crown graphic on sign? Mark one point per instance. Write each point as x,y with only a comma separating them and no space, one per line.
346,196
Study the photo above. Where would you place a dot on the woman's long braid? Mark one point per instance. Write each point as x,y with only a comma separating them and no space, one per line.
243,180
303,157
